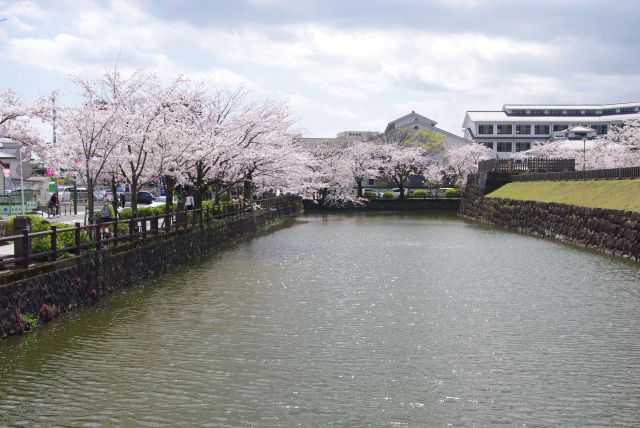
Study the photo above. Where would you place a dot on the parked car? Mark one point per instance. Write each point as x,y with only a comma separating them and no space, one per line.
143,197
162,201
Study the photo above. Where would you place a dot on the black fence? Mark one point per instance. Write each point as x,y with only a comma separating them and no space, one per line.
594,174
530,165
77,239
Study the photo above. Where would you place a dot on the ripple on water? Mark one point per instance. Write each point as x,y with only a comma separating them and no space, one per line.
347,320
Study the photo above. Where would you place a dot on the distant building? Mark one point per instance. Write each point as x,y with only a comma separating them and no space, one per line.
517,126
413,122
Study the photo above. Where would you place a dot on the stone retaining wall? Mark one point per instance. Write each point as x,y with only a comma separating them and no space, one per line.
47,290
611,231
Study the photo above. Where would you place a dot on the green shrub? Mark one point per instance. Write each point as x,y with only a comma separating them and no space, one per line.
125,213
30,320
387,195
420,193
43,243
224,197
369,194
452,193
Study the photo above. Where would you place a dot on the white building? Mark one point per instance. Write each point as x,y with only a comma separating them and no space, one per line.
413,122
516,126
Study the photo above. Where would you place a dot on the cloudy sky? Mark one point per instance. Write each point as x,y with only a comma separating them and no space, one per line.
341,64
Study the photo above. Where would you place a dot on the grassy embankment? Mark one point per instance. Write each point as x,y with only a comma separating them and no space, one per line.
612,194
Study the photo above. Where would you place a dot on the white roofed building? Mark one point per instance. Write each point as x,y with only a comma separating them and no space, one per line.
517,126
413,122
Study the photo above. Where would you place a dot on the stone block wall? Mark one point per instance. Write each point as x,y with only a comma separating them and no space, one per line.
46,290
611,231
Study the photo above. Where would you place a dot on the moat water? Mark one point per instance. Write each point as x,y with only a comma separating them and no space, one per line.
347,320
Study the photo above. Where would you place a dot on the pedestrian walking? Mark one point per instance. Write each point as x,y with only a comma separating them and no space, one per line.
122,200
189,203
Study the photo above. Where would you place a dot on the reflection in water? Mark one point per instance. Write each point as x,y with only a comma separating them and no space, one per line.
348,320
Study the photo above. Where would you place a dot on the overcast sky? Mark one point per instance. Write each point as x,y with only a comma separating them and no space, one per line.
342,65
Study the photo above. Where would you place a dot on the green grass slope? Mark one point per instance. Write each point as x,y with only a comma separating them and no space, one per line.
612,194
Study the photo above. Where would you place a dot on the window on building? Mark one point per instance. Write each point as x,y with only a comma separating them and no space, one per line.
601,129
523,129
488,145
541,129
505,129
371,181
522,146
609,111
557,128
627,110
504,147
485,129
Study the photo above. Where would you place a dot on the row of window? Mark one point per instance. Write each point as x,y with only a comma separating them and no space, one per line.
538,129
573,112
507,146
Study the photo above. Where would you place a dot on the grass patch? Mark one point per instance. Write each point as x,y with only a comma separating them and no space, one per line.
611,194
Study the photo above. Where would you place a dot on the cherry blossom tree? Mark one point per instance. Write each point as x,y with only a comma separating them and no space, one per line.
362,160
400,162
88,135
15,119
463,160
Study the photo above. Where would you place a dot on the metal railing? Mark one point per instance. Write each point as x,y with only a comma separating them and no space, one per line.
116,232
594,174
526,165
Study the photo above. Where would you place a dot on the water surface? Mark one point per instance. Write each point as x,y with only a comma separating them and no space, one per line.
348,320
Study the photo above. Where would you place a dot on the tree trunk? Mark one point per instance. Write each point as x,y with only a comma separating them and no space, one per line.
248,189
198,186
114,195
134,196
169,187
90,204
401,192
359,184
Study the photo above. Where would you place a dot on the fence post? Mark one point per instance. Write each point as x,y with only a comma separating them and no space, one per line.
54,242
98,236
131,228
115,231
26,248
144,227
78,241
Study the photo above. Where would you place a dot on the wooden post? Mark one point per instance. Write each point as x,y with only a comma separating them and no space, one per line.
115,231
131,228
26,248
144,227
98,236
78,241
54,242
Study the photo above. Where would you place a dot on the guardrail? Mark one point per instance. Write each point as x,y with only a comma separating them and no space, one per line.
117,232
594,174
527,165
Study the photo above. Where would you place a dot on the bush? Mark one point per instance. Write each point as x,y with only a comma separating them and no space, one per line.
387,195
369,195
224,197
43,243
452,193
420,193
30,320
125,213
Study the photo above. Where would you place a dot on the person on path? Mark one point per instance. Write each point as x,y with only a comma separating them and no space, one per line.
122,200
54,205
189,203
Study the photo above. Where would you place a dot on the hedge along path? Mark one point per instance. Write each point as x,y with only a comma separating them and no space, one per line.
610,194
